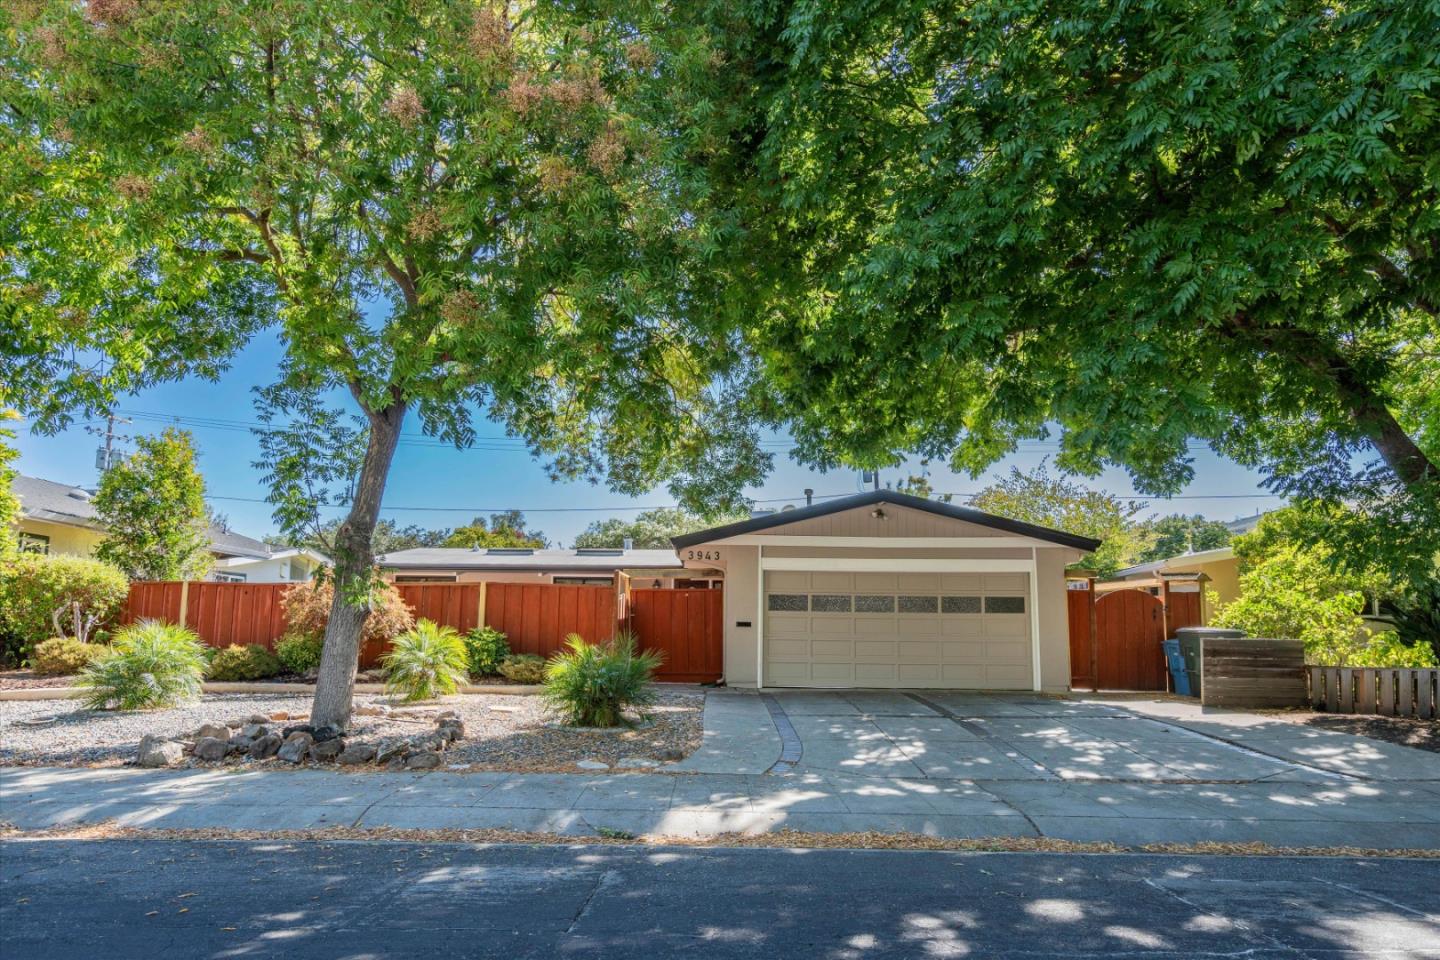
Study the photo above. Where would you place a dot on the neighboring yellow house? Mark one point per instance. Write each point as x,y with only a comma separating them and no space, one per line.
58,518
1221,567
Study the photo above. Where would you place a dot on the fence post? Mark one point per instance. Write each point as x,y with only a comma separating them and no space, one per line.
184,600
1094,637
480,616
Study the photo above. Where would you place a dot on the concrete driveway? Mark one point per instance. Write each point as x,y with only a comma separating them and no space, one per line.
1020,737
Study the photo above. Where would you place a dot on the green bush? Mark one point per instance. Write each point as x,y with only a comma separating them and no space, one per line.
64,655
485,647
1389,650
152,664
425,662
523,668
36,585
237,663
300,652
593,683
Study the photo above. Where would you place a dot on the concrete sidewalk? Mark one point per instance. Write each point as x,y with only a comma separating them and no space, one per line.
1386,815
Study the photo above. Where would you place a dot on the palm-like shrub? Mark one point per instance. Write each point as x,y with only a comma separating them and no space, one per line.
152,664
425,662
593,683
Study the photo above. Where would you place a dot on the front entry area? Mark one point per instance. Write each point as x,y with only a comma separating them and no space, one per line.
960,631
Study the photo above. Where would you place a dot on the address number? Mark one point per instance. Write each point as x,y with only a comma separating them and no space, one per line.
702,554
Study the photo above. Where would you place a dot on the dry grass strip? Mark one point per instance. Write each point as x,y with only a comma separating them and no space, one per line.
778,839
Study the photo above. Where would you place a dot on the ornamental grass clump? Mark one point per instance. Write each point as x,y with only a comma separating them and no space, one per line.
593,684
152,664
425,662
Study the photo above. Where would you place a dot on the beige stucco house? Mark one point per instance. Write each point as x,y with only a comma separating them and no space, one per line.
583,567
59,518
893,591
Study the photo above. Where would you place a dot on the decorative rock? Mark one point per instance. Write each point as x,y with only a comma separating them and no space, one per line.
436,742
234,724
296,728
255,718
211,748
424,760
591,765
327,732
371,710
357,753
253,731
322,750
451,729
219,731
295,747
266,746
390,750
239,744
670,753
446,715
632,763
159,752
279,715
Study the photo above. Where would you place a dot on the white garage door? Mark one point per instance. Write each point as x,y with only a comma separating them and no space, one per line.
955,630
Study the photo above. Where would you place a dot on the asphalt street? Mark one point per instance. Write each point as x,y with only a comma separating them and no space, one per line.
201,899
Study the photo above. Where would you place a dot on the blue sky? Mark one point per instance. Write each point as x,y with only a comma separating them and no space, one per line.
501,474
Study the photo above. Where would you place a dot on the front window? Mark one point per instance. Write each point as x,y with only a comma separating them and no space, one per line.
229,578
34,542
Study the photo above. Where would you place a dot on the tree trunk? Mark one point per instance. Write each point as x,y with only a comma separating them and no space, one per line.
354,561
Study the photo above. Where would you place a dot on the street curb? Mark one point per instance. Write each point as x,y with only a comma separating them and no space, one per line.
69,693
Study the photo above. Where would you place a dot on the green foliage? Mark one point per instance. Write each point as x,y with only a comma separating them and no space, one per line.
523,668
1417,617
35,586
651,529
151,665
9,502
152,504
307,609
1294,593
1131,225
237,663
1062,504
425,662
592,684
1178,534
387,538
504,530
485,647
1315,529
1387,649
299,652
64,655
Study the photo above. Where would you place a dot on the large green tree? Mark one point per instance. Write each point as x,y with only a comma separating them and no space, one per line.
502,530
1177,533
152,504
1063,504
438,207
1135,224
9,502
651,529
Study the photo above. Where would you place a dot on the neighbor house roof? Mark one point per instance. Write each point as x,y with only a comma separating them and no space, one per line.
1176,563
62,503
894,498
461,558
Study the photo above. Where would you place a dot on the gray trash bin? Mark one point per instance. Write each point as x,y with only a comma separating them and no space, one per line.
1190,638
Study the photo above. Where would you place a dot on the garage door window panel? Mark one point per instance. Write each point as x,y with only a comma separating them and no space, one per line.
960,604
830,603
873,603
788,602
919,604
1004,604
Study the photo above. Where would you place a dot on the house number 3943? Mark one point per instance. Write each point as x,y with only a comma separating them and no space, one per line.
702,554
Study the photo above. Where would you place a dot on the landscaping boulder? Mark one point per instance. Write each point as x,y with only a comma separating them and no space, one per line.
279,715
591,765
357,753
423,760
254,731
670,753
211,728
295,728
452,728
295,747
159,752
234,724
371,710
436,742
211,748
322,750
326,732
266,747
389,750
255,718
240,745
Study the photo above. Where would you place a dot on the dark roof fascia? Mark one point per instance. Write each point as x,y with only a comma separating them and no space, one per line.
756,524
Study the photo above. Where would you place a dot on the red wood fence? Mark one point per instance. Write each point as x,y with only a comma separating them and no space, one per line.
687,627
1115,636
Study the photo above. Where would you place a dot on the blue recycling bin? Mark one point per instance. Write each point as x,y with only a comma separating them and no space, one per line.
1178,673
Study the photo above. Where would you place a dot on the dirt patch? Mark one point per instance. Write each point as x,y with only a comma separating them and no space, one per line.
1403,731
30,680
784,839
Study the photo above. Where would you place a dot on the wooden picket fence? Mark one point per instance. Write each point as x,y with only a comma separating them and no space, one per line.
1383,691
535,617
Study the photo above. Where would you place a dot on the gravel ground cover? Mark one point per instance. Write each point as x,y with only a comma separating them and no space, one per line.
513,733
30,680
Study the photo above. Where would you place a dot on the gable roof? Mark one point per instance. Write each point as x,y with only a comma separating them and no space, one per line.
464,558
1176,562
894,498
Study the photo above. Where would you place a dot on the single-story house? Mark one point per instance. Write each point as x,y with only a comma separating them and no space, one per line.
59,518
1217,570
883,589
582,567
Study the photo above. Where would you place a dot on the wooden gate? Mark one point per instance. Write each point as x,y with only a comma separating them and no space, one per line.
1115,639
686,626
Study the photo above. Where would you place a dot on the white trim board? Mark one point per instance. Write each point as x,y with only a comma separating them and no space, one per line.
879,543
896,564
